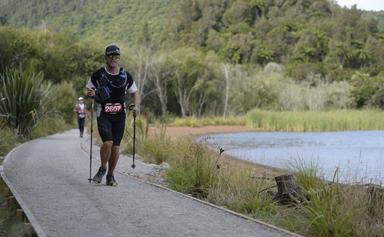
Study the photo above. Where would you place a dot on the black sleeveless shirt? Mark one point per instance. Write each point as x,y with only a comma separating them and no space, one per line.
117,84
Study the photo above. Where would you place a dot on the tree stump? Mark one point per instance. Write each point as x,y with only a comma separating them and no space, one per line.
287,190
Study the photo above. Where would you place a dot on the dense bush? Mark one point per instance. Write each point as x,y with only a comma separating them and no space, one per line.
62,101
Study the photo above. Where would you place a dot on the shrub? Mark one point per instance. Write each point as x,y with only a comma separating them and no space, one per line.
48,125
61,101
22,95
7,141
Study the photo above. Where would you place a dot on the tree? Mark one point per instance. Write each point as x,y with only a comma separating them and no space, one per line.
18,48
142,59
364,87
187,77
160,75
230,73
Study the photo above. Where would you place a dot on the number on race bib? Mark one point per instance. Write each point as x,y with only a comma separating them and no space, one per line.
113,108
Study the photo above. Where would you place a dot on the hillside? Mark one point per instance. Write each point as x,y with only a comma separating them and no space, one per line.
122,20
239,31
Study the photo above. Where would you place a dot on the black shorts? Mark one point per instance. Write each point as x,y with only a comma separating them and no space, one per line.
111,127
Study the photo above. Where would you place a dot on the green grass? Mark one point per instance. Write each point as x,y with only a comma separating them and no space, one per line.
206,121
316,120
192,170
156,149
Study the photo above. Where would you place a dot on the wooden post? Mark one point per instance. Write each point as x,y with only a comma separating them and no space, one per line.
2,183
20,214
7,192
29,231
376,201
11,202
287,190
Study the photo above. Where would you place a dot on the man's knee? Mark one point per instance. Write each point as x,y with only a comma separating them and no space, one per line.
108,144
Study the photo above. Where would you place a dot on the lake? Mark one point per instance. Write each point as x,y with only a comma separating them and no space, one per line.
359,155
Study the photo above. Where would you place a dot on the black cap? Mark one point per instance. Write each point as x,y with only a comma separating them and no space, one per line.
112,49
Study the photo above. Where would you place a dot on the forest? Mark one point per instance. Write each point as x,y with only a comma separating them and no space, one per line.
202,57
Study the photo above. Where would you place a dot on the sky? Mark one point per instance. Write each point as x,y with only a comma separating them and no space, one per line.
375,5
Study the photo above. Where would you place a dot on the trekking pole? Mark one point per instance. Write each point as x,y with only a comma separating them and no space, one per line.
131,107
90,149
134,141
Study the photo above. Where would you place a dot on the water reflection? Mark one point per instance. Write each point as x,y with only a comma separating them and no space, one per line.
358,154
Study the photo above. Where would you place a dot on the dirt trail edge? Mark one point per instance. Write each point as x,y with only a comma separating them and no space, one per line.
50,177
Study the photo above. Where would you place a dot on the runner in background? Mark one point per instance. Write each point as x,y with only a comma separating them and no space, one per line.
81,111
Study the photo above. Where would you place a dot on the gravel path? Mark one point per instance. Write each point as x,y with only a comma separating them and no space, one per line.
50,175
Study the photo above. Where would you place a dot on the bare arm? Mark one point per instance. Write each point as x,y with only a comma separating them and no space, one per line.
91,90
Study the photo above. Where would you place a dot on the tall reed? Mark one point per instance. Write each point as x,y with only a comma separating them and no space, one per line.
205,121
316,120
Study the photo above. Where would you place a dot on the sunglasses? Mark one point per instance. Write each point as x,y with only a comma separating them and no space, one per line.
114,57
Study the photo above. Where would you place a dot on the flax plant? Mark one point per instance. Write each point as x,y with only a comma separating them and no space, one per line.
22,95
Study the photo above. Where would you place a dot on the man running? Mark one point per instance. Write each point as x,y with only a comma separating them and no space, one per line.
109,86
81,110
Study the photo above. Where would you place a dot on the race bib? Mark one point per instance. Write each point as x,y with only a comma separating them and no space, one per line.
113,108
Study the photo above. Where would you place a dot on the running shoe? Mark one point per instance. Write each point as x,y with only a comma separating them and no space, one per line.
111,180
99,175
